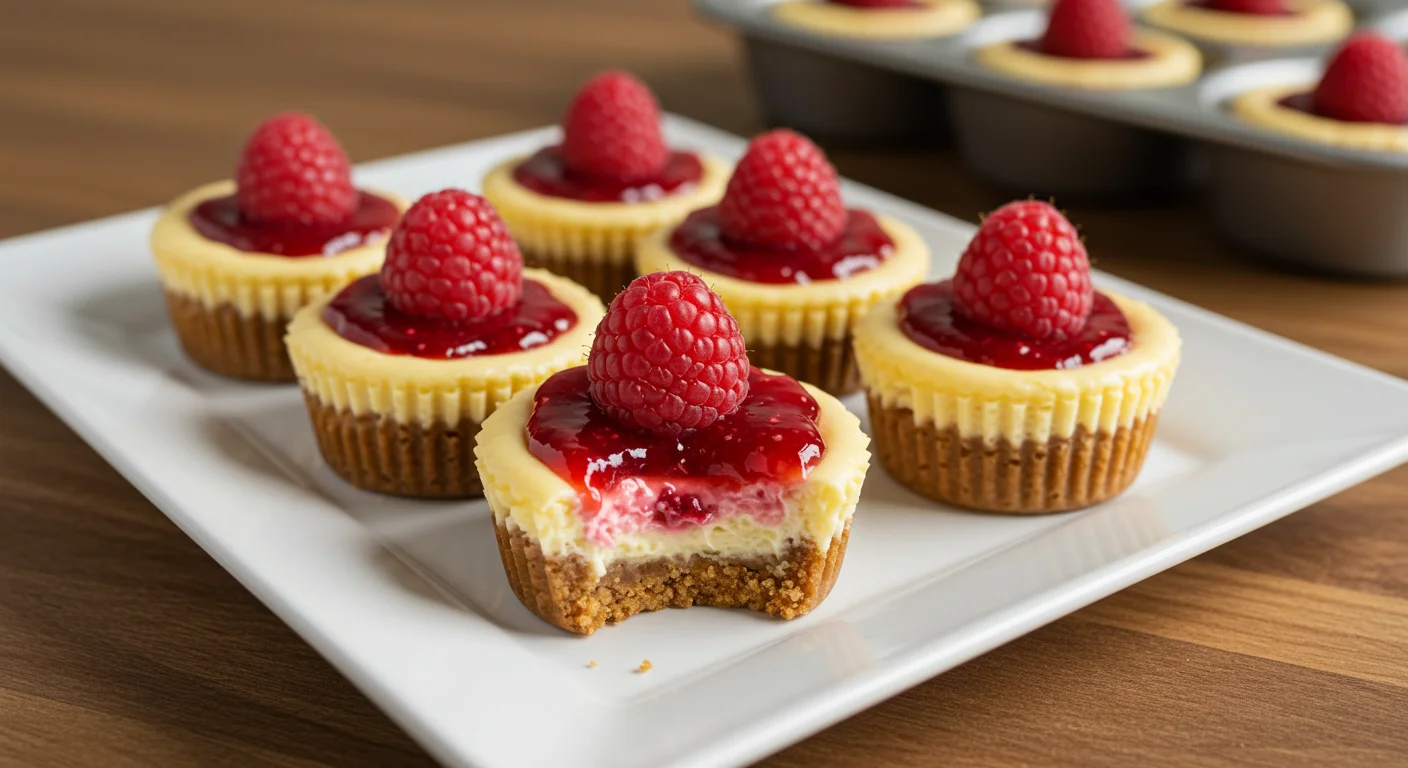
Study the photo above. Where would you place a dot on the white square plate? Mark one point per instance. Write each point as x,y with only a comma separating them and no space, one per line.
409,600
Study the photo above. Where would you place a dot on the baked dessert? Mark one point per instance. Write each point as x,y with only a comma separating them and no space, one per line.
1015,387
879,19
1255,23
400,368
792,263
1089,44
1361,102
238,258
577,208
669,472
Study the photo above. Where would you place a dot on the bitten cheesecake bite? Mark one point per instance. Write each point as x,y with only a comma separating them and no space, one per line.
1257,23
577,208
792,263
239,258
1015,387
879,19
399,369
669,472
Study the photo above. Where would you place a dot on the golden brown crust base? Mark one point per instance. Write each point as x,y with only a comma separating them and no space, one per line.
605,279
564,592
229,343
832,366
378,453
1064,474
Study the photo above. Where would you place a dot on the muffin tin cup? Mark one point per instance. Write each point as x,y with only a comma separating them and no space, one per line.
1299,202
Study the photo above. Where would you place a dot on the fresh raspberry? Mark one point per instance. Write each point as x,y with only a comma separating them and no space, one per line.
1365,82
1087,29
1253,7
612,129
451,258
293,171
667,356
1025,271
783,196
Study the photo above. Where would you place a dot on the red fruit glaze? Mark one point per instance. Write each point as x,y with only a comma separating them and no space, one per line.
219,219
783,195
929,316
612,129
879,3
1253,7
547,174
862,245
451,257
362,314
1366,81
668,357
1087,29
1025,272
293,171
630,479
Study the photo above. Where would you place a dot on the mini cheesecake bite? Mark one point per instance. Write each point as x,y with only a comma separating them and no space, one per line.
238,258
879,19
670,472
1361,102
795,266
1266,24
1016,387
578,207
399,369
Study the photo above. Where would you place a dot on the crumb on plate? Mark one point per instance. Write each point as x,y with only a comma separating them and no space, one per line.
644,667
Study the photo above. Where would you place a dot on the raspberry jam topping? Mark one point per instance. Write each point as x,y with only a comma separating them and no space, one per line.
1305,102
546,174
633,480
1130,53
928,316
879,4
361,314
862,245
219,219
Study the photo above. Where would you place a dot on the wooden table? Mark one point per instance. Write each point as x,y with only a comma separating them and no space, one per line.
122,643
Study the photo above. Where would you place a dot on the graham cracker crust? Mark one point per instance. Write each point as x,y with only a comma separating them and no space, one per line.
1059,475
229,343
831,366
602,278
377,453
565,593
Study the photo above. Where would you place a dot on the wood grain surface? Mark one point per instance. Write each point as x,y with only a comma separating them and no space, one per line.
122,643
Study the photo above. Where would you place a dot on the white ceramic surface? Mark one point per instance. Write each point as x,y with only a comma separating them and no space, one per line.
409,601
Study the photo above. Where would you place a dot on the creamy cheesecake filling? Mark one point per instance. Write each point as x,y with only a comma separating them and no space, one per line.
932,19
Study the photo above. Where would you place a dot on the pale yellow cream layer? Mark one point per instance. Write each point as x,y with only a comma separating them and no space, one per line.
1313,21
531,497
803,314
937,18
354,378
1261,107
1172,61
997,403
255,284
600,233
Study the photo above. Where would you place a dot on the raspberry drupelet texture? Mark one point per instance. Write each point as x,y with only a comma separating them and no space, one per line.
783,195
668,356
1366,82
1087,29
612,129
293,171
1025,271
451,257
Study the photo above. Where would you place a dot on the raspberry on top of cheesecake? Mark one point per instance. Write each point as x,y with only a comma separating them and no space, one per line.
577,207
669,471
238,258
879,19
1089,44
1258,23
790,260
1361,102
1015,386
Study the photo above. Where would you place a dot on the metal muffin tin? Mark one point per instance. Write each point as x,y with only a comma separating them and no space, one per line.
1324,207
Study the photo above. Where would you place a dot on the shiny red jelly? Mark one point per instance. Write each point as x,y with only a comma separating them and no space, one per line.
546,174
743,459
1130,54
361,314
879,4
929,317
863,245
219,219
1208,5
1305,102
